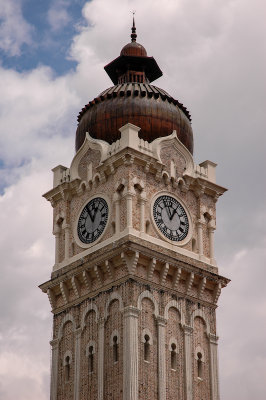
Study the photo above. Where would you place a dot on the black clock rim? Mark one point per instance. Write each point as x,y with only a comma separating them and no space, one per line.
105,221
165,234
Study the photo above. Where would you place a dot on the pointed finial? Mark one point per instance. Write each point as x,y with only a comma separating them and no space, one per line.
133,29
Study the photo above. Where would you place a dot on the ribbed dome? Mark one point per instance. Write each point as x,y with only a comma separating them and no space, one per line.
133,49
144,105
133,99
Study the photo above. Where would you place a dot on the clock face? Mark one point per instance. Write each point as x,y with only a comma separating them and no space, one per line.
92,220
171,218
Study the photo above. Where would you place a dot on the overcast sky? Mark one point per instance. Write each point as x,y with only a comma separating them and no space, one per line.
52,53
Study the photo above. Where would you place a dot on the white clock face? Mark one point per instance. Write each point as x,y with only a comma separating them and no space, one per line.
92,220
171,218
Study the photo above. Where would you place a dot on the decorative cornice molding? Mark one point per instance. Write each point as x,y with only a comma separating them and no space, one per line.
128,150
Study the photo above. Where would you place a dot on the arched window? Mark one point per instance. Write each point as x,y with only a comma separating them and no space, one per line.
91,359
173,356
147,348
115,348
67,368
199,365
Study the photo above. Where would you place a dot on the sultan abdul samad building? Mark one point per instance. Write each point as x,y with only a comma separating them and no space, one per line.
135,285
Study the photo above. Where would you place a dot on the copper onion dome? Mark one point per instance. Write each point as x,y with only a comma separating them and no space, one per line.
133,99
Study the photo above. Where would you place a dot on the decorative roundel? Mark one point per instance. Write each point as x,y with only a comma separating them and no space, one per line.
92,220
171,218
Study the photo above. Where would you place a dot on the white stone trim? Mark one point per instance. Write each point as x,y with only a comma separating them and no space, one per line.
177,306
161,142
89,307
137,234
146,331
200,313
113,334
113,296
89,143
148,295
68,317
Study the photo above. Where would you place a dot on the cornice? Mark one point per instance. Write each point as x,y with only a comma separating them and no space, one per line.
96,268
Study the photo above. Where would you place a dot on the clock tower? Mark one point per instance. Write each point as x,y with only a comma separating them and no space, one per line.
135,284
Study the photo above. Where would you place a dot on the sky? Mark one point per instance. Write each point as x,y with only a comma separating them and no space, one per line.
213,57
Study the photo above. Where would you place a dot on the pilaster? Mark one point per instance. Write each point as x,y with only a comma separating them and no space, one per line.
54,368
161,324
77,363
200,237
129,199
188,360
56,233
142,211
66,228
211,229
213,342
116,200
130,353
100,358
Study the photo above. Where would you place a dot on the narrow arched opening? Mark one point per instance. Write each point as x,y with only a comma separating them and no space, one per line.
199,365
115,348
147,349
91,359
67,369
173,356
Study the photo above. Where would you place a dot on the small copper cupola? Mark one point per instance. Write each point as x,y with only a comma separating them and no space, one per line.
133,64
133,99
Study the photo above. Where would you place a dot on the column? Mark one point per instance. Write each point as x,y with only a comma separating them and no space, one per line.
129,196
66,228
200,237
116,200
54,369
56,232
188,360
161,323
100,358
213,340
130,353
142,212
77,363
211,230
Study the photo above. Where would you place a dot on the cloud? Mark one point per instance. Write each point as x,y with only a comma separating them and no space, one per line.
15,31
58,15
213,58
241,322
35,108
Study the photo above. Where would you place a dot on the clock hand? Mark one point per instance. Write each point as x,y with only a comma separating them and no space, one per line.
88,210
167,209
172,216
94,214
